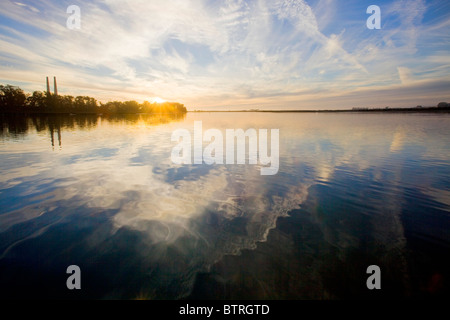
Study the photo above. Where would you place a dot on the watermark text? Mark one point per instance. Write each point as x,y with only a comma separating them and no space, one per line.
231,150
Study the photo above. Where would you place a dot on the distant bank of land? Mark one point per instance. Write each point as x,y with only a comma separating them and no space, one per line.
15,100
443,107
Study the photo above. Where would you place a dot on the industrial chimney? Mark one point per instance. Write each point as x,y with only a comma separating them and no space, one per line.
55,87
48,87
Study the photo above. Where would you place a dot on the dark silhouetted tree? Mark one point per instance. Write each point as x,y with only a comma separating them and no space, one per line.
12,99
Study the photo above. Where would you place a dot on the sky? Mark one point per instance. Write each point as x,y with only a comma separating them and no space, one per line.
232,54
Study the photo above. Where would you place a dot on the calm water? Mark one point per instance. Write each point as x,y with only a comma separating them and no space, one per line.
352,190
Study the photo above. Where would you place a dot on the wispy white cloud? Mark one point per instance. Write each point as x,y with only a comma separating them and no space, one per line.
27,6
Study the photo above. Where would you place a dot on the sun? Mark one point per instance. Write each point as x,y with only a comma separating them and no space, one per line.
158,100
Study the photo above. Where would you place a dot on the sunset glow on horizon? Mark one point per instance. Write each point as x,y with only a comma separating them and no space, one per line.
233,54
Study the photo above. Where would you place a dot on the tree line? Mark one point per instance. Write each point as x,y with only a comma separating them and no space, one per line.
14,100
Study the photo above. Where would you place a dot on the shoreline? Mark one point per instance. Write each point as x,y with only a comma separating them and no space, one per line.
390,110
395,110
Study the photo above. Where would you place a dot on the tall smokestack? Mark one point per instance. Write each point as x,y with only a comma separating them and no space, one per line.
48,87
56,88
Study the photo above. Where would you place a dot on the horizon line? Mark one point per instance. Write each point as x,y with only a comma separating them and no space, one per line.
386,109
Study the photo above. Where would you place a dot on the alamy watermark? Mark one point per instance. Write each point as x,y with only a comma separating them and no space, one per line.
374,21
374,281
189,149
74,281
74,20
